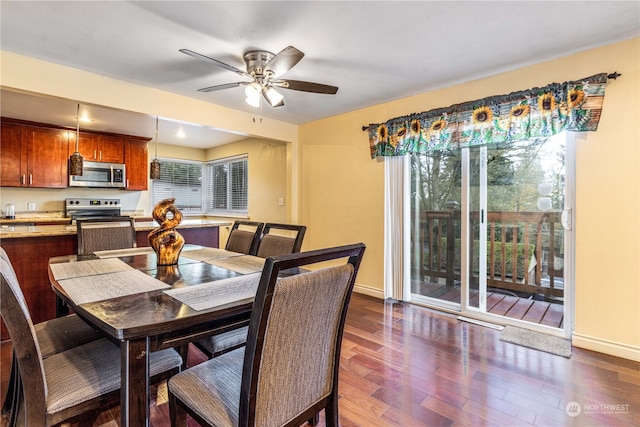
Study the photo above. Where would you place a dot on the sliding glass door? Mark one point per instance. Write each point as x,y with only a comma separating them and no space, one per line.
435,228
490,231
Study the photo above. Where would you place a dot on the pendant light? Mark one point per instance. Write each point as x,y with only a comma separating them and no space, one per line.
76,160
154,170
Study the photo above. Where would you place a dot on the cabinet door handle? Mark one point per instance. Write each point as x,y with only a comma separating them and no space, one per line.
23,179
95,154
30,179
100,155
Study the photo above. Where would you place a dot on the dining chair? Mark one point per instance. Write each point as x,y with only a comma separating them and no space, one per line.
74,381
276,239
54,336
279,239
244,237
101,234
288,371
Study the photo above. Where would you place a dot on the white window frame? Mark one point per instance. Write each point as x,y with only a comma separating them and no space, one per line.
243,193
157,195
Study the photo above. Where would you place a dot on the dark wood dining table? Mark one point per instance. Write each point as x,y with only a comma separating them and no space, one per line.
144,307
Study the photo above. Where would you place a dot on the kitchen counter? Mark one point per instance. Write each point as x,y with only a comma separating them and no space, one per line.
20,229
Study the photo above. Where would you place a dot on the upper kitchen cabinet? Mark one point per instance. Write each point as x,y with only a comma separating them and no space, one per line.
136,160
33,157
99,148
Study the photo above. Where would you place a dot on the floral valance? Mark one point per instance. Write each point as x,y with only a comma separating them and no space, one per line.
537,112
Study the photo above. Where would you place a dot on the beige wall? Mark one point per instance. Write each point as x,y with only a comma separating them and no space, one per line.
342,189
267,176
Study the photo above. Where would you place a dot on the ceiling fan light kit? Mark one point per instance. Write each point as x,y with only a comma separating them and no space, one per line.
264,69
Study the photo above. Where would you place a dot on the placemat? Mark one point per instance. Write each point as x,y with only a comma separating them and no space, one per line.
111,285
92,267
206,254
114,253
244,264
219,292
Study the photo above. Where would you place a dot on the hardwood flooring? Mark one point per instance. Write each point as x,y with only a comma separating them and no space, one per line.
405,365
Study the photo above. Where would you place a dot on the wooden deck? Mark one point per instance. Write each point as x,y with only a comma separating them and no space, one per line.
527,309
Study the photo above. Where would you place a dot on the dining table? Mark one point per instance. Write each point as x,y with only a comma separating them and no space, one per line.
145,307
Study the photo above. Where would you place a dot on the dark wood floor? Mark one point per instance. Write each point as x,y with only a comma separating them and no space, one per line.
405,365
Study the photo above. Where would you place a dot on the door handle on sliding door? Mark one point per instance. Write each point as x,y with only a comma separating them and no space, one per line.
565,219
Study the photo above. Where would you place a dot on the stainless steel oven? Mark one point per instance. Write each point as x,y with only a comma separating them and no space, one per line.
81,208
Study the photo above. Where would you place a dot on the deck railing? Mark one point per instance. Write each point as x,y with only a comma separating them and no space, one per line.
524,250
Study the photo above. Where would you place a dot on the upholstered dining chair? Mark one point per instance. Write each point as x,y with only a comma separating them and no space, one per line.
101,234
71,382
279,239
54,336
276,239
288,371
244,237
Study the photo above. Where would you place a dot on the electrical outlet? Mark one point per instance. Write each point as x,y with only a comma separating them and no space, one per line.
281,201
31,206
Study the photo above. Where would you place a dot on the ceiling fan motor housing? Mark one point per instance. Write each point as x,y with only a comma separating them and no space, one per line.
256,60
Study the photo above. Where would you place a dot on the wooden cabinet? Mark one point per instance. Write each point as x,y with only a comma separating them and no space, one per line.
13,160
33,157
30,257
37,155
98,148
136,159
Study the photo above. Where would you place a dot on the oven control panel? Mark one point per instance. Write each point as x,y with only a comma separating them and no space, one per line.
81,203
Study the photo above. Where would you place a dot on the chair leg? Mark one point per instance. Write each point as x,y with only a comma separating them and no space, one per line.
177,414
331,411
7,405
315,419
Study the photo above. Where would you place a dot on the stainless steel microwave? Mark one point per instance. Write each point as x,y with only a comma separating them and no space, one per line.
100,175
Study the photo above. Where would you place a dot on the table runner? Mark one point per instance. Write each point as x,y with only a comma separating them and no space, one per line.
219,292
244,264
206,254
110,285
91,267
115,253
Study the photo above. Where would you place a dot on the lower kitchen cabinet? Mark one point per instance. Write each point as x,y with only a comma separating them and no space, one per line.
30,259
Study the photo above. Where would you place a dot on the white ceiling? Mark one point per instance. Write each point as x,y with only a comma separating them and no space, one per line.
373,51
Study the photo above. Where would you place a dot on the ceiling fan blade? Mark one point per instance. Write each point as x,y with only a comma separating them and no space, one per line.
224,86
216,62
306,86
273,97
283,61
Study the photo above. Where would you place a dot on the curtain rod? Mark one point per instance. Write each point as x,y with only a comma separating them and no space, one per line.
613,76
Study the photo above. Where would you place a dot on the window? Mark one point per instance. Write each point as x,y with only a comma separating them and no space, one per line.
227,180
218,187
181,180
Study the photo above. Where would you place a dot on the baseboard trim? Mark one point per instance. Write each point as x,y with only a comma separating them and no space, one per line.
368,290
606,347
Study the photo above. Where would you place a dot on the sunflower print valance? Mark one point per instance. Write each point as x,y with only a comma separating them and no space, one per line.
533,113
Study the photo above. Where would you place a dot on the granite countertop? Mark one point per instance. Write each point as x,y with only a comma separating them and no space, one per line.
17,230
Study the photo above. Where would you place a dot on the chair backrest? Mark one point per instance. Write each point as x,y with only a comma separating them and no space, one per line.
24,341
280,239
101,234
295,332
244,237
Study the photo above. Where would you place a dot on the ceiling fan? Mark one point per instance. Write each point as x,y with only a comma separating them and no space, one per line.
264,69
